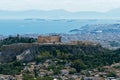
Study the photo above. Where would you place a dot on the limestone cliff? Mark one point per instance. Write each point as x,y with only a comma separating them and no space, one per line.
28,51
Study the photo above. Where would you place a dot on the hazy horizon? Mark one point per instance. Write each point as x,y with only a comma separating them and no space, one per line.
68,5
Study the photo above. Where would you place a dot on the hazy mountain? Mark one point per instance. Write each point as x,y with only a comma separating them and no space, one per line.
60,14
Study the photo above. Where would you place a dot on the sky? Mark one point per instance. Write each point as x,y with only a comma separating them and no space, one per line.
68,5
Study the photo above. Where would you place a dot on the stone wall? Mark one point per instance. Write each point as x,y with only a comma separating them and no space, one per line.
49,39
83,43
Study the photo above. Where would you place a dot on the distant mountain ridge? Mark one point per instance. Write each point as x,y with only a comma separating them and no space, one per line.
60,14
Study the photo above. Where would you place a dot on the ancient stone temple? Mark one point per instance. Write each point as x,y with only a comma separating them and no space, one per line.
49,39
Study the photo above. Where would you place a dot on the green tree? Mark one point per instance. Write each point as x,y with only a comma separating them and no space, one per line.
111,74
78,65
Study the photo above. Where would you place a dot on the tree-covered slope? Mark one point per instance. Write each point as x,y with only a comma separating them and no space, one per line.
91,55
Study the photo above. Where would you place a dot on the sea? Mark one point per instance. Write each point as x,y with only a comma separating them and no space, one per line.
43,26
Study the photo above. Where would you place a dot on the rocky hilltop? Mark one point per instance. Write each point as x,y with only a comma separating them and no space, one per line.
29,51
31,59
9,52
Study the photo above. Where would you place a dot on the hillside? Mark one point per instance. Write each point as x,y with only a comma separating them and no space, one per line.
35,49
27,52
79,57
